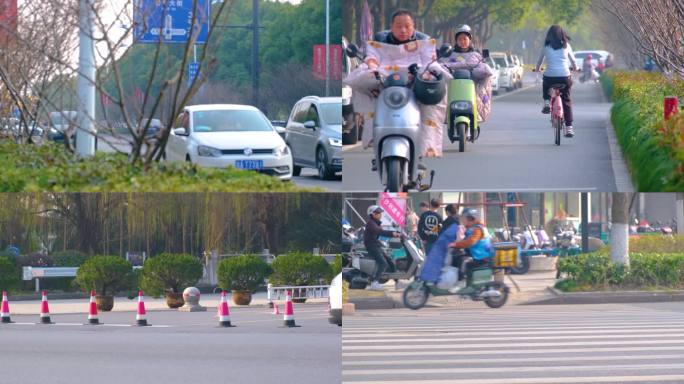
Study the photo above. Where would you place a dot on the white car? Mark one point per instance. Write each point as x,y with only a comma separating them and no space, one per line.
507,75
222,135
336,301
495,74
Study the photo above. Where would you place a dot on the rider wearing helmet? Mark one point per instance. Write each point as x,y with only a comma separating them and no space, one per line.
373,246
559,58
477,241
465,56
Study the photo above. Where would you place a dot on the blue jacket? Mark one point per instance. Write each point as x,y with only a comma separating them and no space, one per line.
434,261
482,250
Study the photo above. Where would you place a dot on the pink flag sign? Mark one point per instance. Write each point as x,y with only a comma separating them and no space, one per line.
394,206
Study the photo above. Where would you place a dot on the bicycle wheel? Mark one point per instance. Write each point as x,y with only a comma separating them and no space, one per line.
558,127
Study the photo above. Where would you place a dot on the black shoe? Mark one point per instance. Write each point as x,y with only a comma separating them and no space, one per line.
546,110
374,165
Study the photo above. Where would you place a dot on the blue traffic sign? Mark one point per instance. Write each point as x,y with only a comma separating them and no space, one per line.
193,70
170,21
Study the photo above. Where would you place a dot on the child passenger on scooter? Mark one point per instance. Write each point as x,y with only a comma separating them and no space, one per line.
465,56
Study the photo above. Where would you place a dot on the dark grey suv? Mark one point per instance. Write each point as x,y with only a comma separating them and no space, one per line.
314,135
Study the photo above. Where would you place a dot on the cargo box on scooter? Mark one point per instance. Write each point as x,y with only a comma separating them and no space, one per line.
506,254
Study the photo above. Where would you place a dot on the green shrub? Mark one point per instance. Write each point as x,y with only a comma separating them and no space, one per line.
169,272
654,149
657,244
243,273
300,268
105,275
69,258
345,291
9,276
646,271
48,167
336,266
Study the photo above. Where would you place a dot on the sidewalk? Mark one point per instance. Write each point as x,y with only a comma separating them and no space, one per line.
123,304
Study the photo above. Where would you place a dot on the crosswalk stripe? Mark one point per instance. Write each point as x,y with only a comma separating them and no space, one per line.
467,338
509,345
401,371
556,331
491,360
539,380
498,351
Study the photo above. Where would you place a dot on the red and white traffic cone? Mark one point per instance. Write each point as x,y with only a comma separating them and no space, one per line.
92,312
276,311
4,311
44,310
288,318
224,312
140,317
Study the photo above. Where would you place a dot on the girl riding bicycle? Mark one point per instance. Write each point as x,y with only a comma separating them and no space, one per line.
559,60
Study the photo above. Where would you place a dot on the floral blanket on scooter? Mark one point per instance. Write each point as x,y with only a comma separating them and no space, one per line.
397,59
434,262
482,75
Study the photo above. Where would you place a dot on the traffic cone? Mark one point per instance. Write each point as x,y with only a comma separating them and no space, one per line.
288,318
44,310
224,312
276,311
4,311
92,313
140,317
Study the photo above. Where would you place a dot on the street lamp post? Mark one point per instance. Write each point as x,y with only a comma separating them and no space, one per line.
327,48
85,141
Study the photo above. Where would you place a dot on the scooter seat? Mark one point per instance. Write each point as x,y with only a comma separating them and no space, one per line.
462,74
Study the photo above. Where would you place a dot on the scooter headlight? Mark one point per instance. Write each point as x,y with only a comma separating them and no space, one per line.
396,98
461,106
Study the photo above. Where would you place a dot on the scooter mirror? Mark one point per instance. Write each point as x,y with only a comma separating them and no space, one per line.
444,51
485,53
353,51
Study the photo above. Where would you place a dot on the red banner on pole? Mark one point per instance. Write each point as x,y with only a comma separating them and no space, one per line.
8,21
335,62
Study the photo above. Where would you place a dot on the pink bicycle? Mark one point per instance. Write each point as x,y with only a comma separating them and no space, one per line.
557,120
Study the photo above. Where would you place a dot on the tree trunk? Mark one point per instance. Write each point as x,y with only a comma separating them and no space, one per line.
619,233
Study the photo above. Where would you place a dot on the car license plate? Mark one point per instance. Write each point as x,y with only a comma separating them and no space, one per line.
249,164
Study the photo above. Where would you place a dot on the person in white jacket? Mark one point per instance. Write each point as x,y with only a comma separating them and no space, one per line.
559,59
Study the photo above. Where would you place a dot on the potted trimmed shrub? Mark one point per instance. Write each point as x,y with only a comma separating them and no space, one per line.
170,273
300,268
9,277
242,275
105,275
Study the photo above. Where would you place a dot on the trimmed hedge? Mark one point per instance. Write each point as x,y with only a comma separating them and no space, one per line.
9,277
300,268
106,275
596,271
48,167
169,272
243,273
653,148
69,258
657,244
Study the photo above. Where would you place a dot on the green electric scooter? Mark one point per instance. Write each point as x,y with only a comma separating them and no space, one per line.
461,102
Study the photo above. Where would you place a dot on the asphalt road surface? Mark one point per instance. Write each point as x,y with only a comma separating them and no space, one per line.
308,178
178,348
516,151
609,343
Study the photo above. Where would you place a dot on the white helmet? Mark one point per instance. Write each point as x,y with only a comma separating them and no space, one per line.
465,28
374,208
472,213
